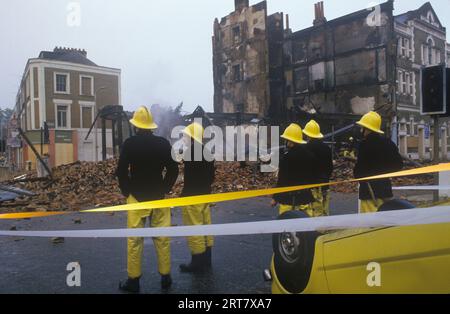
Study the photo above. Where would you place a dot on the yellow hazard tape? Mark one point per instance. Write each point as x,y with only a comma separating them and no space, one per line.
217,198
30,215
231,196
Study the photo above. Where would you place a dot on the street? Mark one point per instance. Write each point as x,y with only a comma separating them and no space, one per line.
32,265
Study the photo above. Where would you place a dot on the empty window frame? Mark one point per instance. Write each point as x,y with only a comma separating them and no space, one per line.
236,34
237,73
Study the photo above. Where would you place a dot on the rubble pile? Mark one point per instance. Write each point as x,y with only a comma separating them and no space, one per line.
84,185
76,186
343,170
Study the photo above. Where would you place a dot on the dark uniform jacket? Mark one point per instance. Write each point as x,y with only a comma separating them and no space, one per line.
296,168
377,155
323,166
142,161
198,175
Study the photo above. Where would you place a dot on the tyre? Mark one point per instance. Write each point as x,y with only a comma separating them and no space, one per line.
294,255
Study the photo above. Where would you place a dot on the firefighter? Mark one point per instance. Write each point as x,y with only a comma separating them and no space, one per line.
198,178
323,167
295,169
143,160
376,155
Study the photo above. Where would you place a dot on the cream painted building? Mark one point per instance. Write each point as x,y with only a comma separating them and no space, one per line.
65,90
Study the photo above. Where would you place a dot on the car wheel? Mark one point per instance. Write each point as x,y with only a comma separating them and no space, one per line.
396,204
294,255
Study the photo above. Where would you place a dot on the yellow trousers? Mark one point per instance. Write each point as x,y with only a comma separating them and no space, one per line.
321,204
198,215
137,219
326,203
370,206
308,209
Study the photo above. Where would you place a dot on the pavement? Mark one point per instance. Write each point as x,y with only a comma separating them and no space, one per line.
37,265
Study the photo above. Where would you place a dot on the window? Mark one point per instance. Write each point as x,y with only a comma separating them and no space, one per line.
424,55
86,116
407,76
399,81
301,79
61,116
404,82
62,82
405,47
431,55
237,76
430,52
299,51
438,56
411,84
86,85
236,34
410,49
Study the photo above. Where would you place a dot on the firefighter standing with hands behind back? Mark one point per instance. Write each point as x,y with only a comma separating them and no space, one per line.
198,178
143,160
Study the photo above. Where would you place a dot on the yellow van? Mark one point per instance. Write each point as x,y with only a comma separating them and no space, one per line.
412,260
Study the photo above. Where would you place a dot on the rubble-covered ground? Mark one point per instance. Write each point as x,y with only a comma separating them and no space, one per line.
85,185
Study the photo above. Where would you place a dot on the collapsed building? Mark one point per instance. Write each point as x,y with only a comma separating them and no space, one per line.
248,61
334,71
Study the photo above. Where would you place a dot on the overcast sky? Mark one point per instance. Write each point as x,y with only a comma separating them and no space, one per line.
162,46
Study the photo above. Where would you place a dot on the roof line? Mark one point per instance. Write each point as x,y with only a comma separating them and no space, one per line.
33,60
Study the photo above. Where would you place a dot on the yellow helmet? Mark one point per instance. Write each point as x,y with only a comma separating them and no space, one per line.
195,131
143,119
312,129
371,121
294,134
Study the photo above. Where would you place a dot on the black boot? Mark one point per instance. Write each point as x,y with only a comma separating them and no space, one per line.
197,264
166,282
130,285
208,257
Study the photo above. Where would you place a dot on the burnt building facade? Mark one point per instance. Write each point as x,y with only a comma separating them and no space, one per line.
341,67
247,61
334,71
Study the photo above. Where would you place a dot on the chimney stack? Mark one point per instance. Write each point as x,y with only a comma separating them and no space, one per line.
287,21
319,14
241,4
66,50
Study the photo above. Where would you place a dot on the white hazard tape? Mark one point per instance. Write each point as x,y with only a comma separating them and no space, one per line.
422,188
421,216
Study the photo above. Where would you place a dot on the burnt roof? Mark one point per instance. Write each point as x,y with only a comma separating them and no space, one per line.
385,7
